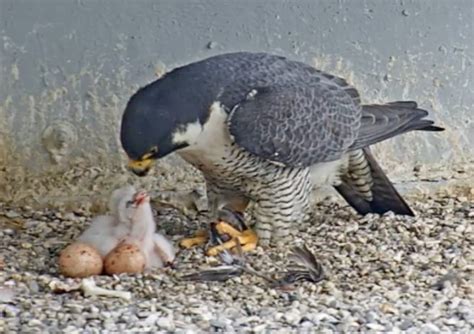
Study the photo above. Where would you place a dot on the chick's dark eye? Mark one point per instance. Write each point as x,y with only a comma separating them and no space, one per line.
128,204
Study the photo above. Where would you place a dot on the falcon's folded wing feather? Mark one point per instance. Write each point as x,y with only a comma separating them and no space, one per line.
383,121
303,256
296,125
221,273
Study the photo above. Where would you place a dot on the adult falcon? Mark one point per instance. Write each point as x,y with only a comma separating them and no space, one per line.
267,129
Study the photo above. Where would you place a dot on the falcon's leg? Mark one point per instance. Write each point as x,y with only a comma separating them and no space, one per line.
222,212
283,204
202,236
199,238
246,238
230,223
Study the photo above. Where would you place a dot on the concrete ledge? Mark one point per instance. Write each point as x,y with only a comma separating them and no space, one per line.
68,68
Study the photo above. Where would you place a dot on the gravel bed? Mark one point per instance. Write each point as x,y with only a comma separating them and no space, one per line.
385,273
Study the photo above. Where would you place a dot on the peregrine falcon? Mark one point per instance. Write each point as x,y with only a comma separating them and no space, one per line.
266,129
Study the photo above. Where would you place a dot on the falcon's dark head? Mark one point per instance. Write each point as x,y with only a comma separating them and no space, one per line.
154,124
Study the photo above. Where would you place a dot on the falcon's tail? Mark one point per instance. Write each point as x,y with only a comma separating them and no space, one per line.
383,121
367,189
364,184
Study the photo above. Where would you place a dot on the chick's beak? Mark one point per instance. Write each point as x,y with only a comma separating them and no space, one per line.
140,167
141,197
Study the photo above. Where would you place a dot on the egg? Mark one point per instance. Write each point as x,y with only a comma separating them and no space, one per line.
125,258
80,260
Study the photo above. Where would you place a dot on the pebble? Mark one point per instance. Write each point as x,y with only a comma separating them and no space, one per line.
33,286
429,328
375,327
11,214
220,323
165,323
10,311
382,274
259,328
406,324
292,317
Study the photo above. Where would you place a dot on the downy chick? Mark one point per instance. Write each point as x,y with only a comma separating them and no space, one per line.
158,250
107,231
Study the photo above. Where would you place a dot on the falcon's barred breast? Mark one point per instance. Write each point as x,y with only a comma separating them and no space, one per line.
267,129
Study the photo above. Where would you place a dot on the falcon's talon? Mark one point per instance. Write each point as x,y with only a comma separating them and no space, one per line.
200,238
215,250
247,239
225,228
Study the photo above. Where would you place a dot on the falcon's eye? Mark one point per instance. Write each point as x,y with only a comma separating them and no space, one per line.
128,204
153,150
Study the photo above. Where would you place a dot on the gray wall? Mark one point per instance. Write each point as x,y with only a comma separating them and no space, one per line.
68,67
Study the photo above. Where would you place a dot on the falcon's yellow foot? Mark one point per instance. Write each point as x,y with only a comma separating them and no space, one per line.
247,239
200,238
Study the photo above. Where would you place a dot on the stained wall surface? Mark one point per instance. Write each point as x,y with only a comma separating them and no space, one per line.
68,68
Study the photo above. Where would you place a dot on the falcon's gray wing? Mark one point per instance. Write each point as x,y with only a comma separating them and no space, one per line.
383,121
296,125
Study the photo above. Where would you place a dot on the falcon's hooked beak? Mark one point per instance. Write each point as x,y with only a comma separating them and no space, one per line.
140,167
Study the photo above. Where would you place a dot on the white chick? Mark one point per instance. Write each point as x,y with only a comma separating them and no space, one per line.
107,231
120,205
158,250
164,248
